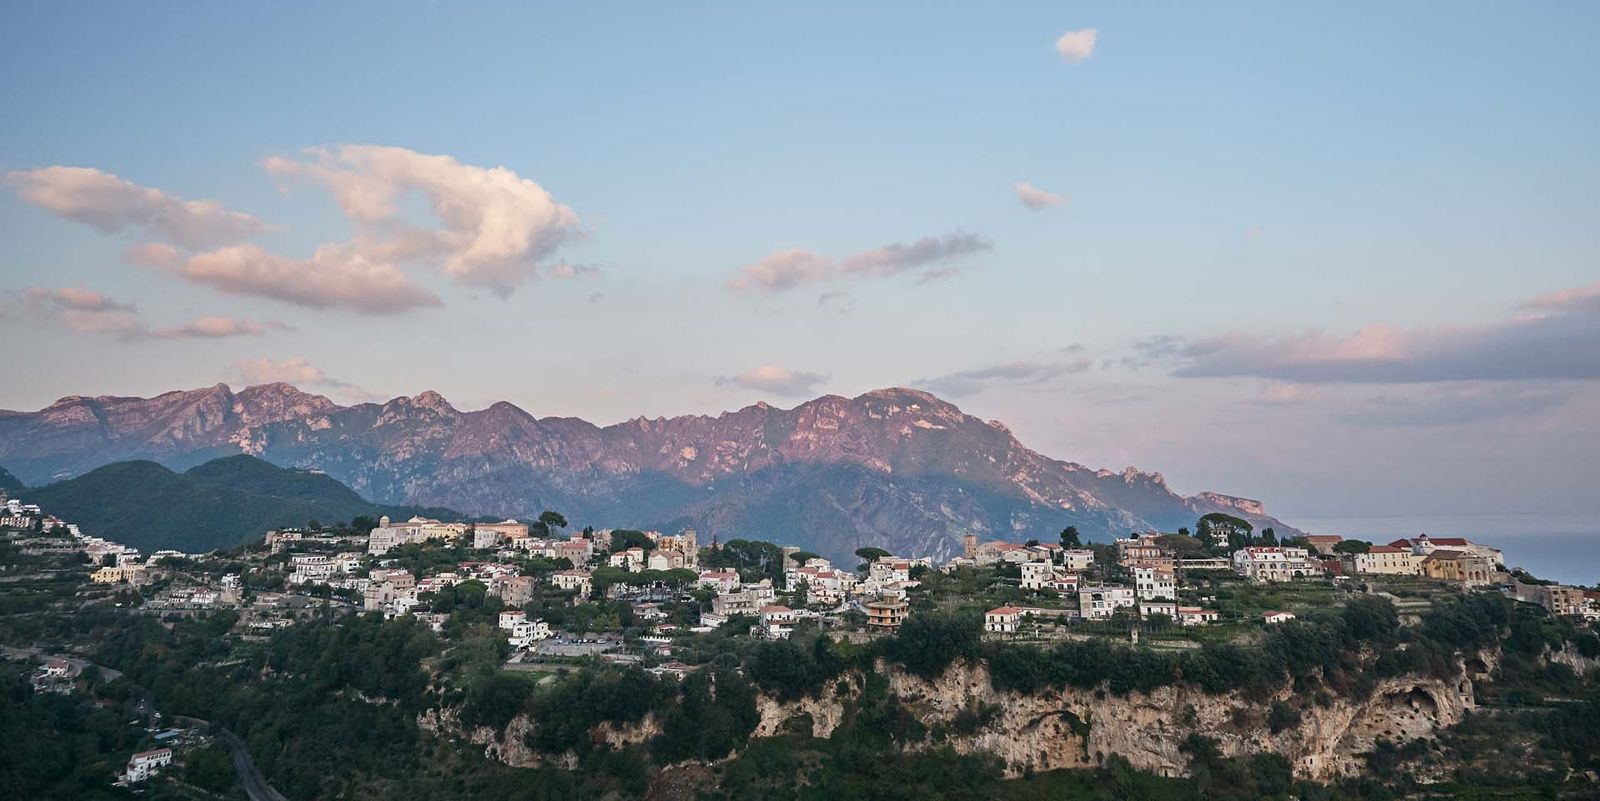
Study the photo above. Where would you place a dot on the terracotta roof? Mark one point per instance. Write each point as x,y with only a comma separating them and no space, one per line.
1004,610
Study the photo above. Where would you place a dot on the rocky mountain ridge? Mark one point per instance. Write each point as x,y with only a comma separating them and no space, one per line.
898,468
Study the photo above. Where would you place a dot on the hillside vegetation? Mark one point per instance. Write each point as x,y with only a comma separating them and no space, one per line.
218,504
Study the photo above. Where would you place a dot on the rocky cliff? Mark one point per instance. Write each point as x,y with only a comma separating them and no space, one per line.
896,468
1073,728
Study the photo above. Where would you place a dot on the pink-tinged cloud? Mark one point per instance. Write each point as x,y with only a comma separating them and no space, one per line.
775,379
76,299
787,269
1075,47
493,225
1035,198
90,312
298,371
110,204
1560,341
336,277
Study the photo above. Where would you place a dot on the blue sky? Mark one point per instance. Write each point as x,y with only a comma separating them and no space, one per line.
1250,184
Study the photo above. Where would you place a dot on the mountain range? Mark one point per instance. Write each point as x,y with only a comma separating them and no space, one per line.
217,504
895,468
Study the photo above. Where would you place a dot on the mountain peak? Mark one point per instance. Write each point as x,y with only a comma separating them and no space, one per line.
430,399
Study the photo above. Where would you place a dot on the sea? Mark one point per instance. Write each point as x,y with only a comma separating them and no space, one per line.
1564,548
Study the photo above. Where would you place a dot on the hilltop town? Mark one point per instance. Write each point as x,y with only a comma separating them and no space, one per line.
557,598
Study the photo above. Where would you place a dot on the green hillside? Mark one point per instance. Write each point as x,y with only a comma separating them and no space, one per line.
215,505
9,483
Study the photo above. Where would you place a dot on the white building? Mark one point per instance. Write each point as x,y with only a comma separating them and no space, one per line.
573,580
1196,616
1100,602
145,764
417,529
1274,564
719,581
1155,582
1077,560
1002,620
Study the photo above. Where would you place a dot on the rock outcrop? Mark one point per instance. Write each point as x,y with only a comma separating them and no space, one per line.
1073,728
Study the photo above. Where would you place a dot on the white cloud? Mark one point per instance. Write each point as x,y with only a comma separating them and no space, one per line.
1077,46
771,378
110,204
1035,198
335,277
494,225
787,269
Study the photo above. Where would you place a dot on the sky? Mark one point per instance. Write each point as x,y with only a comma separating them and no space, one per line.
1338,257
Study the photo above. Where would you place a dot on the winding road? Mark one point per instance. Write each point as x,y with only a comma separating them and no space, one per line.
255,785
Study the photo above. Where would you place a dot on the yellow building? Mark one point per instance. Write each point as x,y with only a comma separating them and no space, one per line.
1458,566
1389,560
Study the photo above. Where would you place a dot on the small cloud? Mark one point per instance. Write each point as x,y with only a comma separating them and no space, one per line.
335,277
86,311
787,269
936,275
218,328
1152,350
839,301
1077,46
1282,394
565,270
110,204
1455,405
76,299
299,372
970,382
1252,233
779,380
1035,198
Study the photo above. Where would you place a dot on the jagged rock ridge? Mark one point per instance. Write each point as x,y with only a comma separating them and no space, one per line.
897,468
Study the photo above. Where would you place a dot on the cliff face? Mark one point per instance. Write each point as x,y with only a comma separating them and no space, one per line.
1075,728
1072,728
894,468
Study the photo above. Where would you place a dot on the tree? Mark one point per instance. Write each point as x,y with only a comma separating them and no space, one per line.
624,538
870,554
363,524
551,520
1352,546
801,557
1070,538
1269,537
